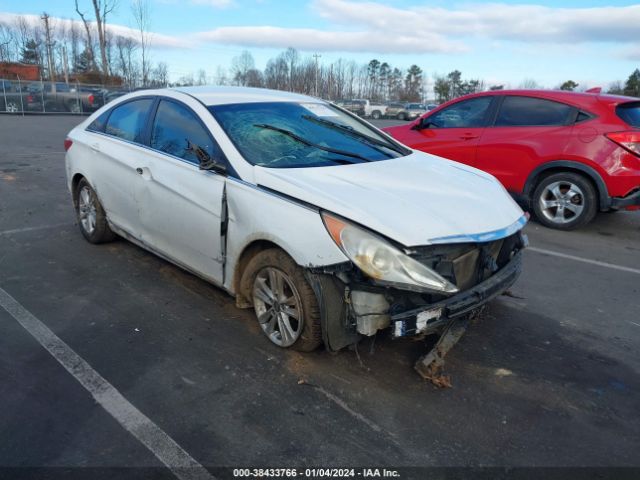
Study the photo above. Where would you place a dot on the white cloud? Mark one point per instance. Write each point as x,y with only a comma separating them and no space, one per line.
376,27
312,39
498,21
372,26
157,40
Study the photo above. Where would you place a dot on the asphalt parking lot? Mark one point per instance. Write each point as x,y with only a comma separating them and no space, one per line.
550,376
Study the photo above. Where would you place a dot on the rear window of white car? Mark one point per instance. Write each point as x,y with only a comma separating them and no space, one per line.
128,121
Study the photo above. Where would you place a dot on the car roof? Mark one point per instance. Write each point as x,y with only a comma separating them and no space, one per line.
577,97
226,95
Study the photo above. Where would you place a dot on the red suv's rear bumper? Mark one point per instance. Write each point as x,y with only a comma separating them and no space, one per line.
631,200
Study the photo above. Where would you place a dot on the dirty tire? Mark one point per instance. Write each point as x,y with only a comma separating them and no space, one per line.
276,262
376,115
91,217
575,200
402,116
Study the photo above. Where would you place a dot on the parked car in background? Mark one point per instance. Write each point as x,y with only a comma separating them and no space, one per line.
373,110
565,155
6,86
354,106
65,97
15,101
396,110
285,201
414,110
113,94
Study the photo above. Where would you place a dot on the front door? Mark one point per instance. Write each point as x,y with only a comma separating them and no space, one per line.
453,132
181,205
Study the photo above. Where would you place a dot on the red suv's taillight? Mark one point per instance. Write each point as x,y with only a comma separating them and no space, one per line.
67,144
627,140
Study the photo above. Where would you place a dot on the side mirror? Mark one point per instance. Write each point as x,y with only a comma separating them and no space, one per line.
419,124
205,161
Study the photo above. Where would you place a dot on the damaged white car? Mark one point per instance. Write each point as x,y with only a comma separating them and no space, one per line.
327,227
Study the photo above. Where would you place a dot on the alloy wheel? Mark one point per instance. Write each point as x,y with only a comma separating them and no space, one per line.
562,202
87,209
278,306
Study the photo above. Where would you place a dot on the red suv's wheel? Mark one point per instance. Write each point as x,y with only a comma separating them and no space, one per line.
564,201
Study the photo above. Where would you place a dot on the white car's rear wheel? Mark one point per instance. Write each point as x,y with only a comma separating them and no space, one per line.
92,219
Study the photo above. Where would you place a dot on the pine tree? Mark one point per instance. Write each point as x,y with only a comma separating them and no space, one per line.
632,85
29,53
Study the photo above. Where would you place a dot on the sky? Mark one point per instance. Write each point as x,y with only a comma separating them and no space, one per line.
502,42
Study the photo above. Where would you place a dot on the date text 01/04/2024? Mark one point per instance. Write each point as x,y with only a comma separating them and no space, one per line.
315,473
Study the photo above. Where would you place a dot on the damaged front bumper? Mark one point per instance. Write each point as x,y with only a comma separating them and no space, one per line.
432,318
352,306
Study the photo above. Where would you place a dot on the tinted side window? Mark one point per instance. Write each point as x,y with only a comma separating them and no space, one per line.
99,123
177,131
529,111
630,113
466,114
128,120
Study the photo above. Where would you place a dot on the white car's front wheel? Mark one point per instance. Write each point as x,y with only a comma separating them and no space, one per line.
285,304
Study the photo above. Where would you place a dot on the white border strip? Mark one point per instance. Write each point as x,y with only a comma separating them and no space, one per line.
585,260
129,417
33,229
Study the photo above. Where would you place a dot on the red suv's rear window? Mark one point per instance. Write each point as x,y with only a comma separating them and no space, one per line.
630,113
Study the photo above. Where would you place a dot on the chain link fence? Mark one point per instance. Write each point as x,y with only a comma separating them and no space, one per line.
18,96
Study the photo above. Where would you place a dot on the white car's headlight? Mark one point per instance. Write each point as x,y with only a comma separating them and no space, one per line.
380,260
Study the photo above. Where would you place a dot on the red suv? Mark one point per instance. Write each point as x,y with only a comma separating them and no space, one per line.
565,155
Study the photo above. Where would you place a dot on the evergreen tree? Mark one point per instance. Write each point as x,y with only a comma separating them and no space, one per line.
569,86
413,84
29,53
632,85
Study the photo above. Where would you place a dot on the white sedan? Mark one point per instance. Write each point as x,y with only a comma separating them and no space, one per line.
324,225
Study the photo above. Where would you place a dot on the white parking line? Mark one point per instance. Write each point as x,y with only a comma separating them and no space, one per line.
31,154
585,260
33,229
129,417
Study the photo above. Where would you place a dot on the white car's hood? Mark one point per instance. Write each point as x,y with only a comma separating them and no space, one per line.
414,200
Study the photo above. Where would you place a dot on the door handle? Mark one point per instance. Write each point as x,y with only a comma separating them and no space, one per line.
95,147
468,136
139,171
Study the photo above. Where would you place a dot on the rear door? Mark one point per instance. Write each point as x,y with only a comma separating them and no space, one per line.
117,147
527,131
454,131
181,205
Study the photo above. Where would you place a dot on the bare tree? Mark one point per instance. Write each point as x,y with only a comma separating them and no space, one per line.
201,77
240,67
89,40
141,14
7,39
221,76
125,50
160,75
529,84
102,8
